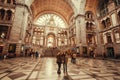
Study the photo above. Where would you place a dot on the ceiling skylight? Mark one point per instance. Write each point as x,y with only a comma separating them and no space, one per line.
50,20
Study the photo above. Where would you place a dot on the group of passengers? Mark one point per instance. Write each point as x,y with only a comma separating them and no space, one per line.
34,54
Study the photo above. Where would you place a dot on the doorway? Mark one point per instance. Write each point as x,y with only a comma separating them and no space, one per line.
110,52
51,40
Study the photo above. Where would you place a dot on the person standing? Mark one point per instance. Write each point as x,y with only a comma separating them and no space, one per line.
59,62
71,54
36,54
74,58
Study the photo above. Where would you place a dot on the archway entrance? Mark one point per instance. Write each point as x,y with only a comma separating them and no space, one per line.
51,40
110,52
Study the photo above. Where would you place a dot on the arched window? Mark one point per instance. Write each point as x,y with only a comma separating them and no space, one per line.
52,20
91,26
109,39
117,36
104,24
89,38
2,14
9,15
108,22
87,25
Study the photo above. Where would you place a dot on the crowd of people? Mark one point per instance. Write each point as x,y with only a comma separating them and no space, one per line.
32,53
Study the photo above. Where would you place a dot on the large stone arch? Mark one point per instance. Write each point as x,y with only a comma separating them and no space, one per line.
63,7
30,2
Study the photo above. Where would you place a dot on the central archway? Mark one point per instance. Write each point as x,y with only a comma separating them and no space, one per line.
51,40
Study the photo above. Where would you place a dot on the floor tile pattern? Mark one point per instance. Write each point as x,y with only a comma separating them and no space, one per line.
26,68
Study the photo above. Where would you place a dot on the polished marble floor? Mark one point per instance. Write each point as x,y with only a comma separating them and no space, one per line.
46,69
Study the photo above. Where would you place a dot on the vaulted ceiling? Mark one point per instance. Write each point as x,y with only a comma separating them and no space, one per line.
59,7
91,5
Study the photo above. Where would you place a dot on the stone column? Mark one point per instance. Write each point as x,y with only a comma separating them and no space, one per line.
18,29
99,47
80,32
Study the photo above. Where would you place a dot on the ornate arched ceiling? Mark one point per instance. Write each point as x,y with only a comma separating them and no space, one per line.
60,7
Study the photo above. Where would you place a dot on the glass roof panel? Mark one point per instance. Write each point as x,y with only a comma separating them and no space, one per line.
51,20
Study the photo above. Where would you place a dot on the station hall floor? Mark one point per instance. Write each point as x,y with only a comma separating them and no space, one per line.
46,69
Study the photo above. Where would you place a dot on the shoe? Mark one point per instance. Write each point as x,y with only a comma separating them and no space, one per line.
59,72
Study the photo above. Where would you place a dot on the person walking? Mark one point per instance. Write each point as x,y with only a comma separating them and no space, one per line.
65,61
59,62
